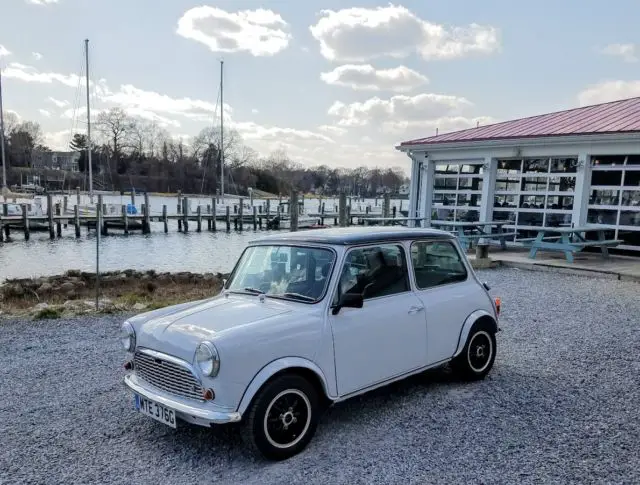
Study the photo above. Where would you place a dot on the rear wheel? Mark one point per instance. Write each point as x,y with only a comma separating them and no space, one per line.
478,355
283,418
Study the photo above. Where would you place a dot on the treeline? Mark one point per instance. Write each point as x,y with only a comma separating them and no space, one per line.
129,152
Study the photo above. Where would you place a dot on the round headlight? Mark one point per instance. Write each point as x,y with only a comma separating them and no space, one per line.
207,359
128,337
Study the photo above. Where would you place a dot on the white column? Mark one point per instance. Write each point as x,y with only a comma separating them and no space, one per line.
413,191
488,188
426,191
583,186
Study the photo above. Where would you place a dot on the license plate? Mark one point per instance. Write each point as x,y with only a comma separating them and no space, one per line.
156,411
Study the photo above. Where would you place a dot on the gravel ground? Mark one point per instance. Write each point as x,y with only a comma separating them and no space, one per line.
561,406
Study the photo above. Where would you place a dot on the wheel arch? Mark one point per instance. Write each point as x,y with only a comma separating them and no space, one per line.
477,316
286,365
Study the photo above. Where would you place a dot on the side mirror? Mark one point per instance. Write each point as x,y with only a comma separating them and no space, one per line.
349,300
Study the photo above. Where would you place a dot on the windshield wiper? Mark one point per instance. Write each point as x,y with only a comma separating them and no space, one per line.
255,291
298,296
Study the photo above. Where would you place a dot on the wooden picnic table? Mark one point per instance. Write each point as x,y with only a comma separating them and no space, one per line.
384,220
467,232
569,240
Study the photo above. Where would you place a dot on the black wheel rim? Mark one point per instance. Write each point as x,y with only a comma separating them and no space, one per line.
480,351
287,419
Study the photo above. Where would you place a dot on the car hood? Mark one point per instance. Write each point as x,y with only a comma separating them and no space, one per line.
177,330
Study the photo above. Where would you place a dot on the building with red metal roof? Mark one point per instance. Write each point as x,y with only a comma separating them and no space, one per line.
574,167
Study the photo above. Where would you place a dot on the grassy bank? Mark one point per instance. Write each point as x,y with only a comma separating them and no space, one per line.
128,290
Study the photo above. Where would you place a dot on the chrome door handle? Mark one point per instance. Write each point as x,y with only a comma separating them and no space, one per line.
415,309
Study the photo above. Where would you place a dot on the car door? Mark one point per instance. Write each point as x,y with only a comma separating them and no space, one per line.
387,336
447,292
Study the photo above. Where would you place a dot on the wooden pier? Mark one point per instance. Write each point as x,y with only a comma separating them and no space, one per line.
209,218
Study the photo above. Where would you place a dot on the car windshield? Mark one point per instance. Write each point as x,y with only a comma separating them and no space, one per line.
292,272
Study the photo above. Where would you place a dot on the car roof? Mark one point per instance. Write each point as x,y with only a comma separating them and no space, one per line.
347,236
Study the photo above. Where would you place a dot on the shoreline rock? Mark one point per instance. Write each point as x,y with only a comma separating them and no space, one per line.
73,293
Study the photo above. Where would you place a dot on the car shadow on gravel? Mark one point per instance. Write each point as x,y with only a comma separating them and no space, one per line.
226,440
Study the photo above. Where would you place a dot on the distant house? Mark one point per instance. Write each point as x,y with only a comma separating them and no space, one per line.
67,161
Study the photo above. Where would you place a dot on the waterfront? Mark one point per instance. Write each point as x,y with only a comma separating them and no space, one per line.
174,251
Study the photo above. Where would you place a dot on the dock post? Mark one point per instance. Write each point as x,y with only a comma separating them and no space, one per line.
1,230
133,197
393,212
209,219
240,214
78,196
199,218
65,208
349,220
268,209
386,205
293,211
25,221
58,223
214,212
76,219
179,211
5,213
164,218
101,223
342,209
52,234
125,219
185,214
255,217
228,218
146,225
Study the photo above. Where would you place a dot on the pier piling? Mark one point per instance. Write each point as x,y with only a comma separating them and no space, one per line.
52,234
76,219
25,221
228,218
199,219
165,222
214,211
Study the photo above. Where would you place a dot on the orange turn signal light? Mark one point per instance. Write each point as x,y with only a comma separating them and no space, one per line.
208,395
498,303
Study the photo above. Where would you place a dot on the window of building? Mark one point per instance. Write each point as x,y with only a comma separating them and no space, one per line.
457,186
614,197
436,263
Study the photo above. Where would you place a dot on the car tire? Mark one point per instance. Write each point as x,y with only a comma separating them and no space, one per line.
282,418
478,355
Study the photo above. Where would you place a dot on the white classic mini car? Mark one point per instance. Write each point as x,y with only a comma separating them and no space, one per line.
308,319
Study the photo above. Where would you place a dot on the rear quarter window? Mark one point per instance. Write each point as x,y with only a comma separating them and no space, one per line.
436,263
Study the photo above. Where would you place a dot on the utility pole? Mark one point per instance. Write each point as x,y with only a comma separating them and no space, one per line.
86,54
221,131
4,159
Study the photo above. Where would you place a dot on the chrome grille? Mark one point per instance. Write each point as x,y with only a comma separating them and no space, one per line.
167,376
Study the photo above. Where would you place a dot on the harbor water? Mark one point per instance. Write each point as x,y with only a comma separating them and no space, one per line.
174,251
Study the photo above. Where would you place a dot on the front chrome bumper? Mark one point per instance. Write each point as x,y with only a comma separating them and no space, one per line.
193,413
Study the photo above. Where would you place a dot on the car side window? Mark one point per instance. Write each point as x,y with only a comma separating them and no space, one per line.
374,272
436,263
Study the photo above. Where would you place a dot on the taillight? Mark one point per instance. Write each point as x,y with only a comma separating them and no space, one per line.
498,303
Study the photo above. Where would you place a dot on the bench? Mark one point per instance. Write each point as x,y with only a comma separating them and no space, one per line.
569,240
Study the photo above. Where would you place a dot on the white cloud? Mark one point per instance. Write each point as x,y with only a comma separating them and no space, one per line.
333,130
359,34
42,2
30,74
4,51
58,140
627,52
365,77
37,56
381,112
259,32
609,91
45,113
254,111
59,103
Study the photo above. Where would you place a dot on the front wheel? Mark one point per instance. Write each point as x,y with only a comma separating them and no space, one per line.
282,418
478,355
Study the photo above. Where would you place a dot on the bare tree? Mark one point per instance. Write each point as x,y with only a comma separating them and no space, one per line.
115,125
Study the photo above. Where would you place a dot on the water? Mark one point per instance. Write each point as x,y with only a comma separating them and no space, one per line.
197,252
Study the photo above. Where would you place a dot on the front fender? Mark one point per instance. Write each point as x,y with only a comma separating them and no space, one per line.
273,368
466,328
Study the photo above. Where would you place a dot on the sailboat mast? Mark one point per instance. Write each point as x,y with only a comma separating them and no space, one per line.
4,160
86,56
221,131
